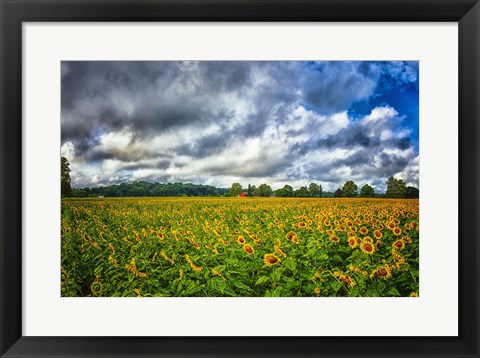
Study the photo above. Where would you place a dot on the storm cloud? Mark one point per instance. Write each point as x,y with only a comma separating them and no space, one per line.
214,122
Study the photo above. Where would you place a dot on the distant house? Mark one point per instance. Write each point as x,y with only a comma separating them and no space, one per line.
100,196
243,194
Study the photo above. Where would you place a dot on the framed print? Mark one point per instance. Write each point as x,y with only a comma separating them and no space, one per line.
239,178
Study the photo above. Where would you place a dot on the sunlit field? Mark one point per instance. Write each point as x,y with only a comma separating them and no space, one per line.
240,247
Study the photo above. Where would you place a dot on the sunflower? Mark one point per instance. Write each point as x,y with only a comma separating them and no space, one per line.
218,273
168,259
192,265
344,278
113,261
397,231
391,225
111,249
414,294
399,260
367,240
348,280
317,290
352,241
363,230
271,260
248,249
357,270
399,244
279,251
295,240
406,239
367,248
334,239
241,240
290,235
377,234
382,272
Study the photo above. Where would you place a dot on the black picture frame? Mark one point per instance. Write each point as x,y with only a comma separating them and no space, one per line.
14,12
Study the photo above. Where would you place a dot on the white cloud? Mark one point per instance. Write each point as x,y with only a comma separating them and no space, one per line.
115,141
68,151
379,114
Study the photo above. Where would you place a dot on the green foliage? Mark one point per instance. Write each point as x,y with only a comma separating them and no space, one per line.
264,190
367,191
411,192
285,192
190,247
396,188
302,192
236,189
65,180
349,189
315,190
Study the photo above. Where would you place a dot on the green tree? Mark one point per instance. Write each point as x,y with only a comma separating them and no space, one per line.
367,191
395,188
236,189
264,190
302,192
286,191
315,190
66,188
411,192
79,193
338,193
349,189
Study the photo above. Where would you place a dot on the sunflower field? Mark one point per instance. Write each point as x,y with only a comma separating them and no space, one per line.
246,247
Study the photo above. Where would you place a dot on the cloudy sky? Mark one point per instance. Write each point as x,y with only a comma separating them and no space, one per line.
216,123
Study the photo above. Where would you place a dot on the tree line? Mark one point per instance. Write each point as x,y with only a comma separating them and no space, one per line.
144,188
396,188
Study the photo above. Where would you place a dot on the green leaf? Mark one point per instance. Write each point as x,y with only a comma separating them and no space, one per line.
290,264
323,257
354,292
393,292
381,286
261,280
241,286
336,285
371,292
